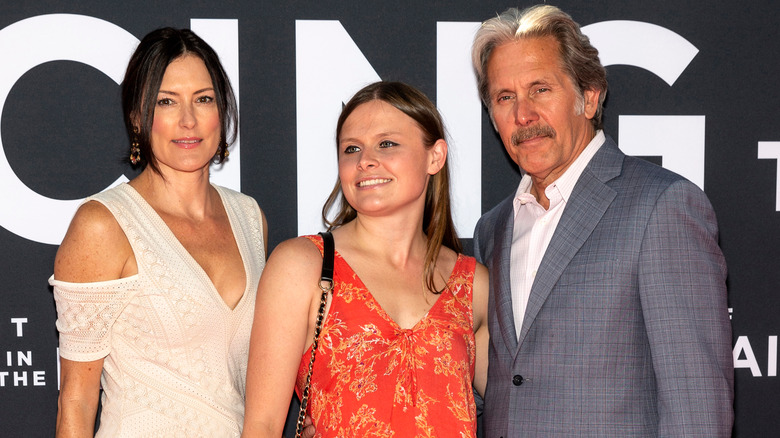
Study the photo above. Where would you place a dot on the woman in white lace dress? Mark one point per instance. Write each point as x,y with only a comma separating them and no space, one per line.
155,280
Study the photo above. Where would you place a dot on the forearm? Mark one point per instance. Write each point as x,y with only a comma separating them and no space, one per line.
76,416
257,429
262,414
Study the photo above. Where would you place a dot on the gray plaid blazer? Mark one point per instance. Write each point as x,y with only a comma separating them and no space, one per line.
626,333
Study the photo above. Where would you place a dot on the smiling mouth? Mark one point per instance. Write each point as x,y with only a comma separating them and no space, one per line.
373,182
187,144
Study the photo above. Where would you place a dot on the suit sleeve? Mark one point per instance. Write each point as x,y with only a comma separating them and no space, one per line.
682,276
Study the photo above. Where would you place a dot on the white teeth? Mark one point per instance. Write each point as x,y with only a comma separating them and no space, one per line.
372,182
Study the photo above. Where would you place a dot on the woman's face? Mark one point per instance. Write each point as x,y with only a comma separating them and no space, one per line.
384,165
186,127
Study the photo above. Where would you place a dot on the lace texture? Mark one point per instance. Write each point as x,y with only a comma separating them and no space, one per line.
174,353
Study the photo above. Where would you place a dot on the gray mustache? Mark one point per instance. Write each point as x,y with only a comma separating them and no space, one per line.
523,134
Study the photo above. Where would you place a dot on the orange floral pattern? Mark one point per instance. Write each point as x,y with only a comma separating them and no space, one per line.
373,378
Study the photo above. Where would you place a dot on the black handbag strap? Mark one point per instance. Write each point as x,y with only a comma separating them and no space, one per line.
328,250
326,285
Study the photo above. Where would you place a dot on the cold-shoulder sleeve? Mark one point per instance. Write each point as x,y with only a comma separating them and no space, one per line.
86,312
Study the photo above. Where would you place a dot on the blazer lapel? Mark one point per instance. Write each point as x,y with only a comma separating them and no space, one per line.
586,206
500,274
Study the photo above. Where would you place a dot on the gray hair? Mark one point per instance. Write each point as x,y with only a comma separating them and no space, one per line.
579,58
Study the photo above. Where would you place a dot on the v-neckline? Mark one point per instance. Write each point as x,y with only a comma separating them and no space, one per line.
381,310
188,258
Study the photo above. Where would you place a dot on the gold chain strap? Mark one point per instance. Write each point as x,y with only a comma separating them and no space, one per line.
326,288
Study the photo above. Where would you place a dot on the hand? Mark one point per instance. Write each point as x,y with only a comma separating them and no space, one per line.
308,428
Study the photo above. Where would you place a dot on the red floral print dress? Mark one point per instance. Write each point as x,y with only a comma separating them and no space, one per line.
373,378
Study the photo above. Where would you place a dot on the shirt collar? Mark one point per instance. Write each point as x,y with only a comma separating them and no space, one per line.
565,184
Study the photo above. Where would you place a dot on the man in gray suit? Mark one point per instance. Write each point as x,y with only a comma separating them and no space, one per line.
607,309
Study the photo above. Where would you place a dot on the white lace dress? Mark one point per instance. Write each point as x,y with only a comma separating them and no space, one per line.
175,353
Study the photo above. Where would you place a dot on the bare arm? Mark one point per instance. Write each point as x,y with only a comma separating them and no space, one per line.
480,305
94,249
78,401
287,301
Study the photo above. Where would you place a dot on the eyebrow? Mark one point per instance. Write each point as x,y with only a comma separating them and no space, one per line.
348,140
381,134
543,81
203,90
499,91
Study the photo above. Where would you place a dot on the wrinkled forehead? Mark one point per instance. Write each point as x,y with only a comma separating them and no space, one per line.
526,61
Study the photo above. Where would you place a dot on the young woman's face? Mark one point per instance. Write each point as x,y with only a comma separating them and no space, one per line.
384,165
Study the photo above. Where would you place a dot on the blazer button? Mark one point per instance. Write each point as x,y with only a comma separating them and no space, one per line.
517,380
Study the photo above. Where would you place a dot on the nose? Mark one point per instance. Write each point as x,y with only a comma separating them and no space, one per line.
187,116
525,112
368,159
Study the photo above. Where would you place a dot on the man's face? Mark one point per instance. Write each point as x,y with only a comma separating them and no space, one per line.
539,114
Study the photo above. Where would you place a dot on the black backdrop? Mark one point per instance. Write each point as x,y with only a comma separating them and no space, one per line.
62,136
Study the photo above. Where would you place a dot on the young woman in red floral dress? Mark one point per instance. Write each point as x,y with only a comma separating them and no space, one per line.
404,340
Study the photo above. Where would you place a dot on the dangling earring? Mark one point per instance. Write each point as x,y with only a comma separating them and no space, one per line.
222,153
135,150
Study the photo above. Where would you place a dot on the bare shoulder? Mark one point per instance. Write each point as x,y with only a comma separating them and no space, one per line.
95,216
94,249
447,259
293,270
298,251
481,281
293,261
481,274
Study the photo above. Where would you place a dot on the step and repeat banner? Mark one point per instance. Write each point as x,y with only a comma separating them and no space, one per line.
693,87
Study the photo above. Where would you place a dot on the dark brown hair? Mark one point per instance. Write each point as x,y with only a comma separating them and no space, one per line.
142,83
